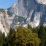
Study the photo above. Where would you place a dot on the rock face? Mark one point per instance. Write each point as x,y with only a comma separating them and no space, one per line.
41,1
33,10
14,8
23,12
4,25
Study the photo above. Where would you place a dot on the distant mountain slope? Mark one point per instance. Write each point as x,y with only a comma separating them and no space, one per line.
23,12
41,1
4,25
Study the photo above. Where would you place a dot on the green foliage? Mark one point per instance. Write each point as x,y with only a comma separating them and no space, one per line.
29,27
34,30
42,35
0,44
41,31
8,38
2,39
23,37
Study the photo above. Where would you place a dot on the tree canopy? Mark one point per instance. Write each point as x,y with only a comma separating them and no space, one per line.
24,37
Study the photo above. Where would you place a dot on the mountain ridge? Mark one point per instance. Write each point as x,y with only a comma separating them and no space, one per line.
23,12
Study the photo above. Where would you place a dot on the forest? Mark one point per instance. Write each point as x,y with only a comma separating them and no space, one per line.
22,36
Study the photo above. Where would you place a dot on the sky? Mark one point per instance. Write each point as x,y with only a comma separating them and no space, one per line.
6,3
